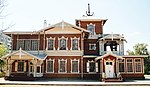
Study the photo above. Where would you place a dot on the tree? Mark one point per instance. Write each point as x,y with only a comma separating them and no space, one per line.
141,49
3,51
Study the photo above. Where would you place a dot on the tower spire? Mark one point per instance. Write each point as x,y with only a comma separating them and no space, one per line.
88,13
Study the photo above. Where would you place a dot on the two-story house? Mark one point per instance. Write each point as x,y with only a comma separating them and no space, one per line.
64,50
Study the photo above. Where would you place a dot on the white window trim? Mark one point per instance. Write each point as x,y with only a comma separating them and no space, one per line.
88,66
72,42
138,62
50,38
59,43
90,46
127,66
94,27
65,65
71,65
47,66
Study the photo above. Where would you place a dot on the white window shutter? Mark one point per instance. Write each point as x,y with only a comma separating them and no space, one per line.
25,64
96,67
16,66
87,66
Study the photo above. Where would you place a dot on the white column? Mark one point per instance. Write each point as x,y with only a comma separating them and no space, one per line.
35,62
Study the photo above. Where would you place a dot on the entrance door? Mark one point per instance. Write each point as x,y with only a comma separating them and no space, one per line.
109,69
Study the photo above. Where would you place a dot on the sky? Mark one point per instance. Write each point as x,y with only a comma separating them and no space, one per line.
128,17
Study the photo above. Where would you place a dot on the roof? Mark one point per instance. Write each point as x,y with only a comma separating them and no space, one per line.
63,27
91,18
111,37
40,56
109,53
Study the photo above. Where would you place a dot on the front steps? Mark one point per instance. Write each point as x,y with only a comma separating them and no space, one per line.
112,80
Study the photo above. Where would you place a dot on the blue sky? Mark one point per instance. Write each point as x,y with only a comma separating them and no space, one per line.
128,17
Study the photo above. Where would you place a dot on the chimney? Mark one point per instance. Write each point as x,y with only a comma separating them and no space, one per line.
45,23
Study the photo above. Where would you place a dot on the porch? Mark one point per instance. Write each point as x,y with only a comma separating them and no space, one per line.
22,65
109,71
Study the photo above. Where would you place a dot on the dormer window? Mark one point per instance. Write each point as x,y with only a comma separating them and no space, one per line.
91,28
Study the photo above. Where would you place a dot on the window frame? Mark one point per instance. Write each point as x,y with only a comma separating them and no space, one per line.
50,38
127,65
59,43
75,38
88,66
64,65
122,63
32,45
136,63
90,45
74,60
24,44
47,65
93,25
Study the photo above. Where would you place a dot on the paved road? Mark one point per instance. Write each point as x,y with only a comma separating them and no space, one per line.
58,83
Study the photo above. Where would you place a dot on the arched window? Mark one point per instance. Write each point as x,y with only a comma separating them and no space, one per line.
91,28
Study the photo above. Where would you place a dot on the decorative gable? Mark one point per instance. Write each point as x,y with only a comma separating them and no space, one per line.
63,28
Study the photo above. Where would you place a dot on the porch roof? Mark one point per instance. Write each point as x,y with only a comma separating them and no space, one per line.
40,56
109,53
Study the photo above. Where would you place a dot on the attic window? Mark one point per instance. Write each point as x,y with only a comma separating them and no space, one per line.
91,28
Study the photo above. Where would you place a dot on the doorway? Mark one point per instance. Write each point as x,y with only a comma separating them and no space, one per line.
109,69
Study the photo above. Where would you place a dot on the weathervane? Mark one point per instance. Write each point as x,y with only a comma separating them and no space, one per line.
88,13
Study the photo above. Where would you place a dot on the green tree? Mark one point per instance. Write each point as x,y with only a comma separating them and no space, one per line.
141,49
3,51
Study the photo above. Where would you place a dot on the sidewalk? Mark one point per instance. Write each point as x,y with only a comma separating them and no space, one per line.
145,82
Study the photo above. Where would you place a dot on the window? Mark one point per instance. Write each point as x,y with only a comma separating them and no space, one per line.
75,66
20,44
62,44
20,66
34,45
129,65
92,66
27,44
92,46
138,67
75,44
91,28
121,65
50,44
50,66
38,69
62,66
31,67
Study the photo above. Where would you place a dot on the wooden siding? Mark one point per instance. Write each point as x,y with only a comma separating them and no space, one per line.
98,25
86,47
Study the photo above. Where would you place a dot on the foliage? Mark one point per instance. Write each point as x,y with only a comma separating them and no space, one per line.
3,51
141,49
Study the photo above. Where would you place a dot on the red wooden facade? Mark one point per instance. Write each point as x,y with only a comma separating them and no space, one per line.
72,51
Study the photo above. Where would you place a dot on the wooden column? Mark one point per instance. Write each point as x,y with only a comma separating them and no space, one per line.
82,49
44,42
38,42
